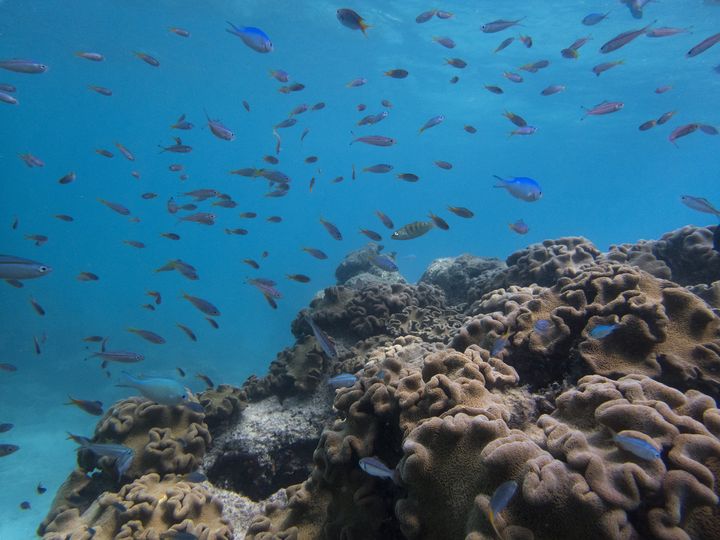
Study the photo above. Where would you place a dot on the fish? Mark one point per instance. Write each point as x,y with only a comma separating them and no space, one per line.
505,43
703,46
116,207
494,89
25,505
372,235
91,407
9,88
318,254
682,131
594,18
515,118
204,218
375,140
519,227
265,286
218,129
708,129
379,168
342,380
123,455
23,66
280,75
104,153
520,187
440,14
374,467
470,129
461,211
147,335
663,89
412,230
647,125
178,147
456,62
93,339
525,130
4,366
396,73
311,159
160,390
7,98
203,305
300,278
16,268
123,357
408,177
425,16
439,222
445,41
552,89
351,19
572,51
145,57
543,326
637,446
372,119
92,56
326,344
40,488
514,77
454,80
251,263
601,331
7,449
37,307
179,31
186,270
360,81
5,427
383,262
527,41
39,239
432,122
170,236
499,25
665,117
700,204
666,31
182,123
207,380
273,219
212,323
189,333
624,38
241,232
36,344
101,90
601,68
253,37
31,161
288,122
605,107
500,499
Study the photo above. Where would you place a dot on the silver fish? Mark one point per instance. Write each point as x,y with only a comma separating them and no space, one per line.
14,268
412,230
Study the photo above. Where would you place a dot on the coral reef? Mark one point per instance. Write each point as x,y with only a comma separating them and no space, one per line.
589,379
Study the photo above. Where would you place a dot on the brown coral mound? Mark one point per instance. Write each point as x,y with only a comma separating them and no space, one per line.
662,331
222,405
690,255
145,509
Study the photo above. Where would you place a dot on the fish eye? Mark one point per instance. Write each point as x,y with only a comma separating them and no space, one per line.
43,269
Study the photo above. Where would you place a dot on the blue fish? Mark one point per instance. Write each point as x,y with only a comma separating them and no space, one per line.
253,37
383,262
123,455
594,18
499,345
636,446
601,331
374,467
521,187
543,327
342,380
326,344
500,499
161,390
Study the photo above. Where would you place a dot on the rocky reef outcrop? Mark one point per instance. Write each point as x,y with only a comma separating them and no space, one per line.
588,379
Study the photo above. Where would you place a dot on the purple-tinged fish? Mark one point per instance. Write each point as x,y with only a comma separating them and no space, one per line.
704,45
594,18
663,89
527,41
665,117
374,467
601,68
181,123
360,81
31,161
524,130
379,168
318,254
179,31
519,227
445,41
147,335
385,219
493,89
553,89
124,357
203,305
119,208
331,229
425,16
23,66
288,122
280,75
125,152
92,56
647,125
101,90
372,235
515,119
265,286
219,130
189,333
514,77
145,57
456,62
439,222
204,218
375,140
572,51
682,131
504,44
499,25
606,107
9,88
432,122
325,342
7,98
707,129
178,147
461,211
666,31
623,39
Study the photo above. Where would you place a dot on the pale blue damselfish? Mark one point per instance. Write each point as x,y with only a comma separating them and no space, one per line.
520,187
253,37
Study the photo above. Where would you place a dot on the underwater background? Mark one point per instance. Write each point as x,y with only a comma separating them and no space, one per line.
601,177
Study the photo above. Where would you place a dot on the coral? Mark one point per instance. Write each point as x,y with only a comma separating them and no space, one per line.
641,255
690,255
544,263
222,406
144,509
430,323
463,279
357,263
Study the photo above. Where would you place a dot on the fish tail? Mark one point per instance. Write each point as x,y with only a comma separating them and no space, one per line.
501,181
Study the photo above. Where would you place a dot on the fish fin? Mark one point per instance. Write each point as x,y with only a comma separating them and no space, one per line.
15,283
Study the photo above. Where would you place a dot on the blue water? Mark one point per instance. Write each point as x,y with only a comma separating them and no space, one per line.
601,177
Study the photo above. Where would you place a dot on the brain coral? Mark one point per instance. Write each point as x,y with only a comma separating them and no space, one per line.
149,508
